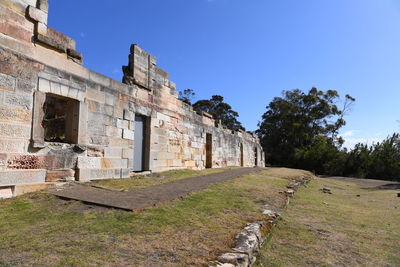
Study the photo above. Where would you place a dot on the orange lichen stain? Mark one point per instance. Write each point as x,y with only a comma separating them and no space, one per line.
105,163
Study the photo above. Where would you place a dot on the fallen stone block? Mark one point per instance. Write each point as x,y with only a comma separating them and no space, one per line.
270,213
237,259
289,192
219,264
247,243
255,229
326,190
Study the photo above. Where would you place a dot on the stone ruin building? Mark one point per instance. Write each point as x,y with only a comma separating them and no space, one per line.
60,121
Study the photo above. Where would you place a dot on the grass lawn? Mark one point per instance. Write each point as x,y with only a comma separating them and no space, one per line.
338,229
41,230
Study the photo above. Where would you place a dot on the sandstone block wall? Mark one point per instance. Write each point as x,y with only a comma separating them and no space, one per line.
37,62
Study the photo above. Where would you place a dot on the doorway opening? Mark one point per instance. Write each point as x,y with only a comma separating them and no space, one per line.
255,157
241,155
208,150
141,144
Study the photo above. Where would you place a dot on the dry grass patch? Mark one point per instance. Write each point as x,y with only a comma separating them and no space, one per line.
41,230
340,229
154,179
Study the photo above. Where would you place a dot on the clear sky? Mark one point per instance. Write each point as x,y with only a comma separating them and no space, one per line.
250,50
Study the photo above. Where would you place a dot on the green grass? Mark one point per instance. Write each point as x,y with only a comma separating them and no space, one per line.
41,230
155,179
340,229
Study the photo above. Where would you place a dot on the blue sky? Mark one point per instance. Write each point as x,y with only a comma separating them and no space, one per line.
249,51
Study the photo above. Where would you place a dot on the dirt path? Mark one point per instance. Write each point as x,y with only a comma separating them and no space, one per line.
138,199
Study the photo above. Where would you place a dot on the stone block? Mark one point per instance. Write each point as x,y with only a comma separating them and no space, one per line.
159,163
118,112
43,5
123,124
81,95
41,28
12,146
56,40
190,163
127,153
60,175
55,88
9,114
73,93
119,142
77,56
3,161
128,134
112,152
129,115
25,86
110,99
6,192
15,131
96,95
112,163
64,89
89,163
163,117
55,44
99,78
85,175
37,14
125,173
16,177
132,125
113,131
24,189
7,82
18,100
44,85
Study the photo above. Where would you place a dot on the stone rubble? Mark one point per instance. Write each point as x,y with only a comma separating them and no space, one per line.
326,190
250,241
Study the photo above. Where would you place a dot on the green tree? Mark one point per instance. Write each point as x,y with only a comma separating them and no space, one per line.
220,111
291,127
385,159
358,161
187,96
378,161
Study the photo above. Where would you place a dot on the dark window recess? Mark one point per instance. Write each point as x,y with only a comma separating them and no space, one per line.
60,121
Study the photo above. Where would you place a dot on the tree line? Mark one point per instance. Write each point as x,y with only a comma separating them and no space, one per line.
301,130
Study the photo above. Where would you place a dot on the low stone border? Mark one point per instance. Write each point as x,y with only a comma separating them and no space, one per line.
251,239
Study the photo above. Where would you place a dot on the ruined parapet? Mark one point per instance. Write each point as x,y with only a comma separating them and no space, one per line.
26,20
49,37
143,71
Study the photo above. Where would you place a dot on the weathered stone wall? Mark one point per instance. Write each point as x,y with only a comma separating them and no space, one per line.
37,61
